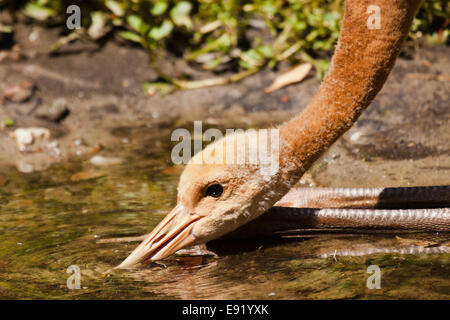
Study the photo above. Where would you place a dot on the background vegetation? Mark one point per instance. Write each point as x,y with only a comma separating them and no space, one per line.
237,35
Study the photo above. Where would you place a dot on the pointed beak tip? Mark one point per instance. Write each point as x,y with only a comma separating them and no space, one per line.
168,237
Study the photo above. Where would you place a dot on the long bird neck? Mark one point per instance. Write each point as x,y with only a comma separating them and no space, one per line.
364,56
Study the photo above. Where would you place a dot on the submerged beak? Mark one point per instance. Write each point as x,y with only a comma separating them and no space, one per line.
173,233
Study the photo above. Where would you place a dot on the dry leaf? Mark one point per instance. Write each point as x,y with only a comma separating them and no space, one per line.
296,74
86,175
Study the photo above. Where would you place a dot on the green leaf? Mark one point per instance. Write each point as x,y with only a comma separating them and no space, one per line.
269,8
300,25
245,64
312,35
115,7
9,122
180,14
99,26
272,63
38,12
213,63
137,23
159,8
321,67
251,58
5,29
331,20
131,36
265,51
152,87
157,33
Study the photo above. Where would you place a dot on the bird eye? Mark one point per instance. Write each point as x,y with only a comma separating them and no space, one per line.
214,190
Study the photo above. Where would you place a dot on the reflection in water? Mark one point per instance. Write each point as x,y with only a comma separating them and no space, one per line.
49,222
313,267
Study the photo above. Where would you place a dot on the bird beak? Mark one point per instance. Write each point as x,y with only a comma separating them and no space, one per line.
173,233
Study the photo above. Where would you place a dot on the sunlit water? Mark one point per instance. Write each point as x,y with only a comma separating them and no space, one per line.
49,222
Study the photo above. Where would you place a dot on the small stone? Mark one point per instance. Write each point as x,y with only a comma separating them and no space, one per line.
335,156
53,147
27,136
285,99
104,161
33,36
56,112
355,136
78,142
20,92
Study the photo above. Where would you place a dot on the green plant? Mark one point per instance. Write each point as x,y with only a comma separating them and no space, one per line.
239,35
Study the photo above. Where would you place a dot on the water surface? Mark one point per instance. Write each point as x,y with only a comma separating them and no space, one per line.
53,219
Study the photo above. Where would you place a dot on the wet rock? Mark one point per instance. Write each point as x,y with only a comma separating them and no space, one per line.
20,92
24,167
26,137
57,112
34,162
104,161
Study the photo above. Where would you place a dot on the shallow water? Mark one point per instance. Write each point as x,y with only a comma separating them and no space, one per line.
49,222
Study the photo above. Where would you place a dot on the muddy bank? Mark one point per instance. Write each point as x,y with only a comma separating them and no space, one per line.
402,139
